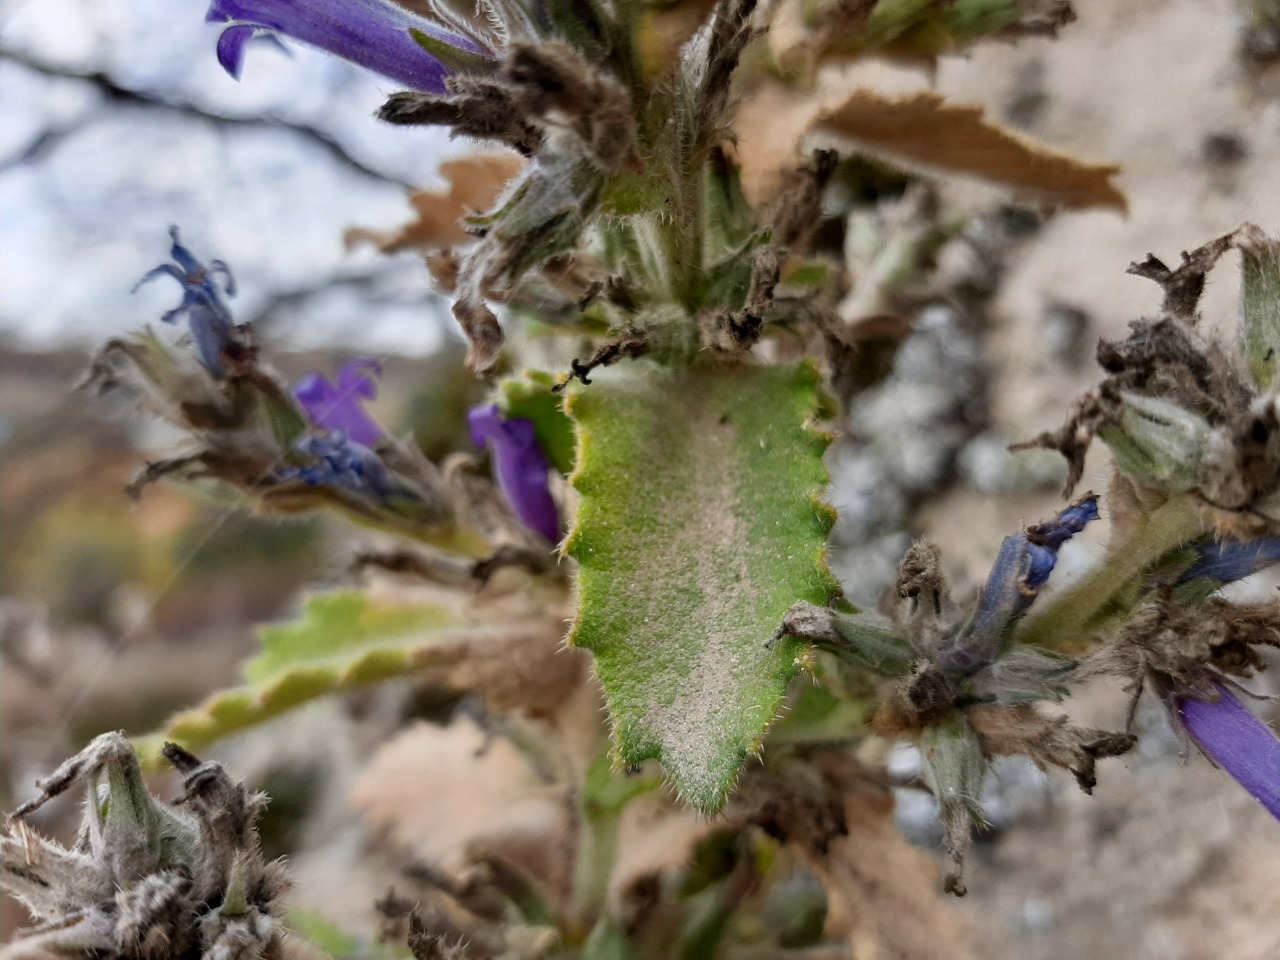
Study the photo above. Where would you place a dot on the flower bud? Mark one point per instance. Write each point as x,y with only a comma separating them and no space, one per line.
1260,304
1157,442
954,770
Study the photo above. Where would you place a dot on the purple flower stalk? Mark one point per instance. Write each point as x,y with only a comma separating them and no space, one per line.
373,33
208,315
1236,740
520,467
337,407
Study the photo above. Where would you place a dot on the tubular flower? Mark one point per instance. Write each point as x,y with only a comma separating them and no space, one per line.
1236,740
1229,560
212,327
519,465
376,34
337,407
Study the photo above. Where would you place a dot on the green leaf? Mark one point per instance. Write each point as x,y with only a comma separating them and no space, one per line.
321,932
817,716
529,395
699,527
730,223
344,639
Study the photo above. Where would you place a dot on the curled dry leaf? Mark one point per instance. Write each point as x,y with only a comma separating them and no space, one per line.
920,131
881,891
474,185
656,833
923,130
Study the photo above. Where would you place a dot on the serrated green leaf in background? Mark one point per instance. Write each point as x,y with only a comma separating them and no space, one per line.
699,526
321,932
343,639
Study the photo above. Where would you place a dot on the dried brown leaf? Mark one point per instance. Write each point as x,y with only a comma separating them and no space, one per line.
922,130
656,832
474,184
882,892
664,30
451,794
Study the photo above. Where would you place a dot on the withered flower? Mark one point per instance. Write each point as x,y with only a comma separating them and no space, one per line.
339,461
145,879
959,683
207,313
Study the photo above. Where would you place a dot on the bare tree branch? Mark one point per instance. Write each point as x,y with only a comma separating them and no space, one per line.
116,93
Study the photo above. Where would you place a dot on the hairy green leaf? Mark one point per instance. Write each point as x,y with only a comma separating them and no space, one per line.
699,527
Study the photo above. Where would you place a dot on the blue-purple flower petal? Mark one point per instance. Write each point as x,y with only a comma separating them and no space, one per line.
1054,533
208,316
338,407
373,33
1227,561
357,377
519,465
338,461
1236,740
231,44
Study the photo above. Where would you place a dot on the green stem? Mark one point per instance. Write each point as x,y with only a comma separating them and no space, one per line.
1067,619
597,855
604,797
683,231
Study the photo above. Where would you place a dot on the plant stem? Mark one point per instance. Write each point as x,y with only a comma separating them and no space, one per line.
597,853
1068,619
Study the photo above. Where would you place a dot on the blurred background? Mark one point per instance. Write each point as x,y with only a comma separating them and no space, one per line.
116,122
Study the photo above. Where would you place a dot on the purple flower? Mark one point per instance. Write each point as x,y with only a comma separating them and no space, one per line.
1227,561
208,316
1022,567
1236,740
337,407
338,461
373,33
520,467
